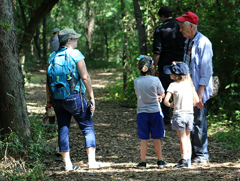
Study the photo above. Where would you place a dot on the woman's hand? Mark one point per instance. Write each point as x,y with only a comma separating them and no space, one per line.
49,105
92,108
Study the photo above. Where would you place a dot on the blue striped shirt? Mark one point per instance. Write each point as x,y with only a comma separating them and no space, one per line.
201,64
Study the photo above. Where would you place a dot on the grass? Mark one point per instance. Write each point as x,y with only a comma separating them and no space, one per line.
24,162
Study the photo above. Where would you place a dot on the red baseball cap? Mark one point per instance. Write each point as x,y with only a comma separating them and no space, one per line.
189,16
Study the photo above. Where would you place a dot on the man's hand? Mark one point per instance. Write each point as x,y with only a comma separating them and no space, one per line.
200,103
200,95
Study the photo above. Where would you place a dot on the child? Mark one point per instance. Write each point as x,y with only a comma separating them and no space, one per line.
149,119
184,97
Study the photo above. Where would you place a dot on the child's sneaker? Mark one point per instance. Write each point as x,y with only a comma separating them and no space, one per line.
142,165
183,164
161,163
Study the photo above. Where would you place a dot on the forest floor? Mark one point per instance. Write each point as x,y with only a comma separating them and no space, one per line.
118,143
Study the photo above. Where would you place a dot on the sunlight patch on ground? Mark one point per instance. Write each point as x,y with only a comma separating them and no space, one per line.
34,109
101,124
124,135
98,86
42,71
32,103
31,85
105,74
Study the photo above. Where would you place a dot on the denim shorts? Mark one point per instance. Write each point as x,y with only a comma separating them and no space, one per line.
150,123
183,121
65,109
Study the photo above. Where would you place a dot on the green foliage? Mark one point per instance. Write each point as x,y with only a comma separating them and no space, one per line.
218,20
6,25
13,148
226,131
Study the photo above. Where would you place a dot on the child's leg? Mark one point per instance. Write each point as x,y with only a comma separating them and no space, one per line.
184,143
158,148
189,145
144,144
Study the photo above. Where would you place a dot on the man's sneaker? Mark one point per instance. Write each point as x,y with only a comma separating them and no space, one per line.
161,163
199,160
183,164
97,165
142,165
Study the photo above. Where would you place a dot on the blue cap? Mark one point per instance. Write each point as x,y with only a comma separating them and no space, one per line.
179,68
145,63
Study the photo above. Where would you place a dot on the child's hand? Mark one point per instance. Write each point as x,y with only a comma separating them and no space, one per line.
172,105
159,98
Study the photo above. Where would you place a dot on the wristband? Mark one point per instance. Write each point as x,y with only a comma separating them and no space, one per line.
49,102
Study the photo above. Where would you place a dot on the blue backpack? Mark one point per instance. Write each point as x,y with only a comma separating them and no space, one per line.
60,75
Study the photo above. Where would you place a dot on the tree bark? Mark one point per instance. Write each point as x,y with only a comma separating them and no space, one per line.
87,30
44,34
140,27
13,109
124,53
36,18
37,42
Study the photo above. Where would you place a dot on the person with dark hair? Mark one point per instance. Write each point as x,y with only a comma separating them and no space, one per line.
53,42
75,104
149,115
198,56
168,46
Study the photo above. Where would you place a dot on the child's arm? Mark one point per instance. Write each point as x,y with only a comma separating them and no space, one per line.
160,97
167,98
195,96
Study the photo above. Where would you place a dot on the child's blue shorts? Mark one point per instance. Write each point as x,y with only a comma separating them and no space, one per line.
150,123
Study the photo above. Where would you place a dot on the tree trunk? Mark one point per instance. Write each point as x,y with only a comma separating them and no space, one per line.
13,109
86,31
37,42
90,21
124,53
44,34
36,18
106,42
140,27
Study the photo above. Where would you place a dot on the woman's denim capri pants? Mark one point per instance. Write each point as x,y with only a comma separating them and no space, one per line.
64,110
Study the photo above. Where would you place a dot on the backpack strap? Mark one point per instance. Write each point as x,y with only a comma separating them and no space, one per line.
73,77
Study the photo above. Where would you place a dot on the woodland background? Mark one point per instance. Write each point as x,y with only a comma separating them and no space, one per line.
110,38
114,34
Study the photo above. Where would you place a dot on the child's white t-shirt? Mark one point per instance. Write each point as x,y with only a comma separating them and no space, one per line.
182,96
147,89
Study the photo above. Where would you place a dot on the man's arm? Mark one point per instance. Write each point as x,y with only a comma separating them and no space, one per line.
156,58
206,70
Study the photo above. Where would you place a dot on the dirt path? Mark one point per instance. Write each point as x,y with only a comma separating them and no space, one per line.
118,144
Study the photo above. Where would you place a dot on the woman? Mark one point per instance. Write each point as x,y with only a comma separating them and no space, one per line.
73,104
53,42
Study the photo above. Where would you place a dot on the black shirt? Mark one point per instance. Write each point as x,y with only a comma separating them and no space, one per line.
168,43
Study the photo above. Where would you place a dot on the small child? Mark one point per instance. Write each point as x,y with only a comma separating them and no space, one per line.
184,97
149,120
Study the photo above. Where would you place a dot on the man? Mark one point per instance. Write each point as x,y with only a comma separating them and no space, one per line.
198,55
168,46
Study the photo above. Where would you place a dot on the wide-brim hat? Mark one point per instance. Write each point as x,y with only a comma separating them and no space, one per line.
145,63
179,68
188,16
66,34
